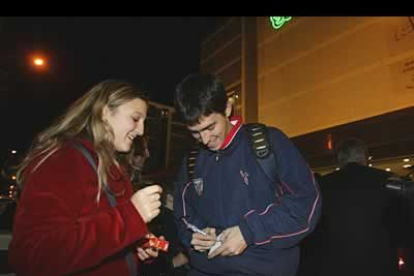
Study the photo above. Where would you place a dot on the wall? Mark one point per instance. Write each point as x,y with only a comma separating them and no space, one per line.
318,72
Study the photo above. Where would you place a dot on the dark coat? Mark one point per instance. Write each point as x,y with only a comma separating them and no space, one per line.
358,226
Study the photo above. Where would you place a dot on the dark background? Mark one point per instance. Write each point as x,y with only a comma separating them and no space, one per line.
152,52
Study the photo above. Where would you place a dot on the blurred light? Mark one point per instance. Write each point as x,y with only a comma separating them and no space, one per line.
237,96
401,262
13,152
407,166
369,165
337,169
38,62
406,160
388,169
370,157
329,142
13,177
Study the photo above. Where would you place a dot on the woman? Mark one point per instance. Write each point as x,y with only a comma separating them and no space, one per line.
64,222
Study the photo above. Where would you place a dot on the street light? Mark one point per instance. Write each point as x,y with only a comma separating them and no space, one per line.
39,62
14,66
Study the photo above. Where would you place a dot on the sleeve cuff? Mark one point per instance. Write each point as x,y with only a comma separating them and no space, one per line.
246,232
132,219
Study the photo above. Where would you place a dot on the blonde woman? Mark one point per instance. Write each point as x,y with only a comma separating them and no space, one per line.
65,221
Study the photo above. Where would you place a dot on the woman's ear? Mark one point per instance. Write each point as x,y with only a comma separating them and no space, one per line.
229,108
105,113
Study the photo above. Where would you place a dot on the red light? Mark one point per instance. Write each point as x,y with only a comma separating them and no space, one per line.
329,142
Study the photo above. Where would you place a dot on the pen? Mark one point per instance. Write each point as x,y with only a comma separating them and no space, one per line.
196,229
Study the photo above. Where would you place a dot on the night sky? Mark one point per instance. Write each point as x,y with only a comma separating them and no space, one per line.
153,52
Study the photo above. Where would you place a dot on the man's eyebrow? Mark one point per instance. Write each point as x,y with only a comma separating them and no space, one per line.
208,126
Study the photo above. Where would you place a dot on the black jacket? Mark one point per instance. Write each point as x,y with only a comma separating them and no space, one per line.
359,224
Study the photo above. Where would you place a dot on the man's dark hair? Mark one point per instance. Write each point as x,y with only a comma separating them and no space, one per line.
200,95
351,150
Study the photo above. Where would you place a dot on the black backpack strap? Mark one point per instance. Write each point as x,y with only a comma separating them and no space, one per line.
128,257
191,161
261,147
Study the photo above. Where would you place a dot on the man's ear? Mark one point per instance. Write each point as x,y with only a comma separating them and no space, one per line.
229,108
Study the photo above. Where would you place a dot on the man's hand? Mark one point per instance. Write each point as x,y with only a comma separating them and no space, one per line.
179,260
233,243
202,242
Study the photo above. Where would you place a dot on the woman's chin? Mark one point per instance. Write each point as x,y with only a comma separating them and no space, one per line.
123,148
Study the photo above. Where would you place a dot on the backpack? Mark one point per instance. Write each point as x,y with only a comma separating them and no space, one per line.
261,147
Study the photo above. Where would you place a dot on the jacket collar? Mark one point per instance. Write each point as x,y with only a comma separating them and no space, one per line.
236,121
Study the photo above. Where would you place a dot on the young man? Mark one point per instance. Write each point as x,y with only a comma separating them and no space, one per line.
249,225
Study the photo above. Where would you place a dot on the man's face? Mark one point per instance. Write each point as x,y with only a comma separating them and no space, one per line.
212,129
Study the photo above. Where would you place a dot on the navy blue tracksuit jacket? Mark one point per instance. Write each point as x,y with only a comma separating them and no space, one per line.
229,188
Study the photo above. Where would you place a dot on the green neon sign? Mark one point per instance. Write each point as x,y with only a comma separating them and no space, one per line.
278,21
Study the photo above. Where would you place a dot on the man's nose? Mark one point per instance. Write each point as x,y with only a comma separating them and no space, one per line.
205,137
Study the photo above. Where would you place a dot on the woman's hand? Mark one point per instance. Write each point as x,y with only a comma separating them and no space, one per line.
145,253
147,202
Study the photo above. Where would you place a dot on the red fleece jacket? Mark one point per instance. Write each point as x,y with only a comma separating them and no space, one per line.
60,229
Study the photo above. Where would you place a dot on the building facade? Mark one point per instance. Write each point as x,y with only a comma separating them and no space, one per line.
321,79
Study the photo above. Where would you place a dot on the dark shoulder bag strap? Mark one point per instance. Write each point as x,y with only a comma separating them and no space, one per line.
261,146
129,257
191,160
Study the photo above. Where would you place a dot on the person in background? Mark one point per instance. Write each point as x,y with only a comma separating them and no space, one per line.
174,262
359,225
65,223
141,154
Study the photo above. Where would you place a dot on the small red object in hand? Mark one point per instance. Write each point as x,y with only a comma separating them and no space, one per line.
156,243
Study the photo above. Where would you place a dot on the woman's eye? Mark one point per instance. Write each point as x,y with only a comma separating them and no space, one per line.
135,119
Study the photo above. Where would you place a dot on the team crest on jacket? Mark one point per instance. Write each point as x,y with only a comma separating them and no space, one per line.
198,185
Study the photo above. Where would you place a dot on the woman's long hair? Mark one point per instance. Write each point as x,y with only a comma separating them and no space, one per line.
84,118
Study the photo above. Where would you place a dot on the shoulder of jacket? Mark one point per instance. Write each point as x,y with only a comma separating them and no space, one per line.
67,156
